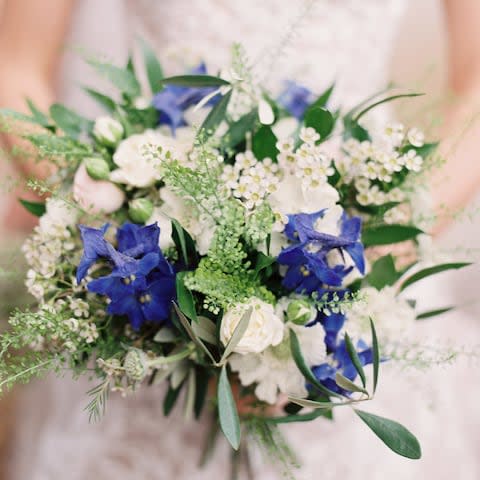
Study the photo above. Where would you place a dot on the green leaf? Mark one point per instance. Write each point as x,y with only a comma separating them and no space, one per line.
52,145
121,78
383,273
433,313
40,117
388,234
239,129
188,409
352,353
347,384
384,100
263,262
201,390
376,355
170,400
6,112
264,143
323,99
304,402
425,150
185,298
188,328
195,81
35,208
184,244
216,115
301,417
354,130
395,436
321,120
227,410
427,272
106,102
237,335
304,368
206,330
152,66
70,122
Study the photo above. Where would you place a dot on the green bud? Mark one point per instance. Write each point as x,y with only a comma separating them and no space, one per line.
108,131
140,210
300,312
136,365
97,168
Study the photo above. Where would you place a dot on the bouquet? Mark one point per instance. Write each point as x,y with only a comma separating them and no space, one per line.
233,245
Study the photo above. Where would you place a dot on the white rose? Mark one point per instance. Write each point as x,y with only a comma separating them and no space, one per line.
265,329
96,196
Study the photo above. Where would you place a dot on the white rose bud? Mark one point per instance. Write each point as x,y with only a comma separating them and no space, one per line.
108,131
300,312
140,210
265,329
97,168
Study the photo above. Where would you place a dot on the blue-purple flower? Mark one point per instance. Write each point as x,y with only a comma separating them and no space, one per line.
308,266
173,100
141,284
295,99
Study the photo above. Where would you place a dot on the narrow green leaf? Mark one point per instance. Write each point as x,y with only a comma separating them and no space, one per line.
227,410
395,436
184,243
206,330
185,297
7,113
188,409
354,130
319,405
201,389
40,117
264,143
237,335
427,272
323,99
352,353
347,384
188,328
106,102
238,130
376,355
388,234
383,273
301,417
321,120
152,66
70,122
121,78
433,313
165,335
35,208
304,368
263,262
216,116
170,400
195,81
385,100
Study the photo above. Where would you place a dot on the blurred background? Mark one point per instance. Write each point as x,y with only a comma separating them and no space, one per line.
421,40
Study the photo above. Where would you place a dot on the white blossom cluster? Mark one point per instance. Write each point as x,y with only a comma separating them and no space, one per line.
49,244
251,180
368,163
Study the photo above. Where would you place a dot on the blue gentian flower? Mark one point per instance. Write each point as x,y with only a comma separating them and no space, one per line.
325,373
141,284
173,100
308,267
295,99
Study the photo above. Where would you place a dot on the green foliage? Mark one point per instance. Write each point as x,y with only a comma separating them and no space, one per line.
70,122
352,353
321,120
35,208
98,403
227,410
184,244
238,130
388,233
383,273
152,66
195,81
433,313
52,146
264,143
103,100
216,116
185,298
395,436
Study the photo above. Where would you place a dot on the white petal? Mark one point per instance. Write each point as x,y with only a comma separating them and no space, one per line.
265,112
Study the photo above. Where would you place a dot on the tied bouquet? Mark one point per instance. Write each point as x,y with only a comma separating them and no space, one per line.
230,244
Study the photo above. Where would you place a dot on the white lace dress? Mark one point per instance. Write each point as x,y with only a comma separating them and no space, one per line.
348,41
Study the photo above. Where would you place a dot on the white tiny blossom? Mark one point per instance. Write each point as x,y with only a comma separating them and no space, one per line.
395,133
415,137
309,135
413,162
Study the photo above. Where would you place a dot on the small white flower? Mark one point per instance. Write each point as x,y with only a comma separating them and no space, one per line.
265,113
415,137
412,161
309,135
264,329
108,131
395,133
